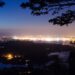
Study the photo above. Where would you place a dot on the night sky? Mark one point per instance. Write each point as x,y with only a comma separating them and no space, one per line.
17,21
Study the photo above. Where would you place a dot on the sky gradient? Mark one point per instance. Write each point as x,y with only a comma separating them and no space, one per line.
16,21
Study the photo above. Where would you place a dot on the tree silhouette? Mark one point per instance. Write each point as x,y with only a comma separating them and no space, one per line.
62,11
55,7
2,3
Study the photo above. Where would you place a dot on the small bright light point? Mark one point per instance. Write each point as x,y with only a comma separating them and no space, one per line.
15,37
29,72
57,39
9,56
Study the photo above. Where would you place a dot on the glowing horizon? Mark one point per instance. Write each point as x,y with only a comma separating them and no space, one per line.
42,38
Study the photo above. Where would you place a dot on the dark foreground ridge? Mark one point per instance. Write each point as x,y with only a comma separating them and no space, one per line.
29,58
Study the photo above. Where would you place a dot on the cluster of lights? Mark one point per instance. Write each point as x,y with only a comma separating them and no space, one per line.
10,56
41,38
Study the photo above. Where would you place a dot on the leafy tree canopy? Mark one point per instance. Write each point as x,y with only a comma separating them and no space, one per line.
55,7
63,11
2,3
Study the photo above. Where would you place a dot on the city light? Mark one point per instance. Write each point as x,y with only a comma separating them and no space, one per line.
43,38
9,56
